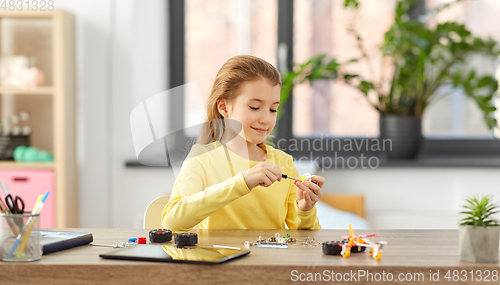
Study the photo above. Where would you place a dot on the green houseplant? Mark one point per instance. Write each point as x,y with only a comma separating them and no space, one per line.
425,58
478,231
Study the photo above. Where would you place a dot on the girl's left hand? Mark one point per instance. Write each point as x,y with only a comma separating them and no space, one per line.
309,193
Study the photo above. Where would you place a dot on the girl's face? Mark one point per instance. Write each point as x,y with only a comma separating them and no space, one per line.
255,108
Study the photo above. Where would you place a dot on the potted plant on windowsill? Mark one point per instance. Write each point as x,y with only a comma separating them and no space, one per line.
424,60
479,232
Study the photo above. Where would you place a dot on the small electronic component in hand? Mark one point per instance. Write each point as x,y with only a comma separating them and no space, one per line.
305,177
186,239
160,235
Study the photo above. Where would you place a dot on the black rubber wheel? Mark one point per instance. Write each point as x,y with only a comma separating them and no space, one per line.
186,239
160,235
331,248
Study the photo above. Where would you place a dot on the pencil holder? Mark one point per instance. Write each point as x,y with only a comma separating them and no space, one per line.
20,237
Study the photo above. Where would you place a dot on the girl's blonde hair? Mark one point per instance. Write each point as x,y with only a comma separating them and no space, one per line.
236,71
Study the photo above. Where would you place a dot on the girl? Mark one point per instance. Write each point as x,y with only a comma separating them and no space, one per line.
231,179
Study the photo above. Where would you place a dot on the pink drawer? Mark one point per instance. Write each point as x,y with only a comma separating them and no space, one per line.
28,184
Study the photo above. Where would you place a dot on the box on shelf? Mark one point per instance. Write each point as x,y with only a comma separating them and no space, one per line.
8,144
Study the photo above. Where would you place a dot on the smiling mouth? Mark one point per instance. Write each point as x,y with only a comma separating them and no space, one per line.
262,131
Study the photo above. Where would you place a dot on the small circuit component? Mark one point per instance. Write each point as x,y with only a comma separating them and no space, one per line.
273,244
280,242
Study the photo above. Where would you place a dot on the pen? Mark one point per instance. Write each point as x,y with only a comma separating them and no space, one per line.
288,177
5,189
6,192
28,231
4,209
29,225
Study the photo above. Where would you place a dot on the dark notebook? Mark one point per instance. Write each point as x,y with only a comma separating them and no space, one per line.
57,241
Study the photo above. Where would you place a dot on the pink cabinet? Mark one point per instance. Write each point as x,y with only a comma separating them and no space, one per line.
28,184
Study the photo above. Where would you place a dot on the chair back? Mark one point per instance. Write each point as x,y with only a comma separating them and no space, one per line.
350,203
152,216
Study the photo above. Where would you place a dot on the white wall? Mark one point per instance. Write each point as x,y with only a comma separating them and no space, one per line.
121,61
135,188
414,197
93,49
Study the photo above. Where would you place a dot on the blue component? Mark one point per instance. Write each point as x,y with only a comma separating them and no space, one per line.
132,239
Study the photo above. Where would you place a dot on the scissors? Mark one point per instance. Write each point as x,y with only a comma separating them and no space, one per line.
16,205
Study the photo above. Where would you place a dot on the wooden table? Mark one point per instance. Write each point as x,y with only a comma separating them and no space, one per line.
410,255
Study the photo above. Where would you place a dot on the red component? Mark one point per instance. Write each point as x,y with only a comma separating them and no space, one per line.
141,240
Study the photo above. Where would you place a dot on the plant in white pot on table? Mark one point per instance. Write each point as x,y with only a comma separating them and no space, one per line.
479,233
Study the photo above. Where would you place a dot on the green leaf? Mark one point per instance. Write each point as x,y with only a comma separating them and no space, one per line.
366,86
481,209
351,4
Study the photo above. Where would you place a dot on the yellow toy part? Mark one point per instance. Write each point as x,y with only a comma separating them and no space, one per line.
351,231
351,241
346,251
375,248
307,177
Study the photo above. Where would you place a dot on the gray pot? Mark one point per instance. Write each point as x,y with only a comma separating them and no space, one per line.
404,133
478,244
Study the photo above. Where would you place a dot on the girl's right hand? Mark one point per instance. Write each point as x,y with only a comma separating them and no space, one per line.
263,174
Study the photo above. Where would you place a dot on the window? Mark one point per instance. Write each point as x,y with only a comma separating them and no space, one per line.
225,28
322,27
217,30
457,115
340,111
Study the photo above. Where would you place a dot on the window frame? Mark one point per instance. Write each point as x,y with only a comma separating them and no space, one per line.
177,61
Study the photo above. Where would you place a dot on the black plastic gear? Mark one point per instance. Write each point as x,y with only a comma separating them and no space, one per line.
160,235
332,248
186,239
356,249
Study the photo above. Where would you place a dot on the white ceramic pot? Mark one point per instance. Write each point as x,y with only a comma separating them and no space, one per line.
479,244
